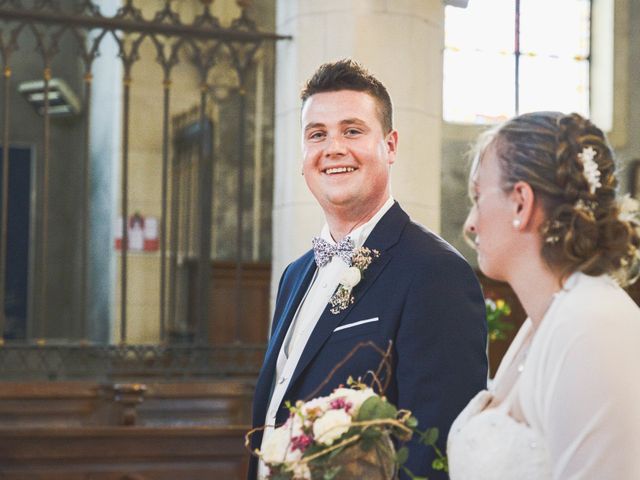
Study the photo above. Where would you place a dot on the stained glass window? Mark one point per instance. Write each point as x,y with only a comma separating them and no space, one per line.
505,57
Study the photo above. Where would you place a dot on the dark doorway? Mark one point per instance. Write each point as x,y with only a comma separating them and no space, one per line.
17,263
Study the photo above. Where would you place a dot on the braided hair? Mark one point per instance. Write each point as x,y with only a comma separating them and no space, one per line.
583,230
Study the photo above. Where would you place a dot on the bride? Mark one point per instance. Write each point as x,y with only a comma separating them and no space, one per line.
565,402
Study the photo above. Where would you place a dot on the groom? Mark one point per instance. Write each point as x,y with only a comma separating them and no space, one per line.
418,291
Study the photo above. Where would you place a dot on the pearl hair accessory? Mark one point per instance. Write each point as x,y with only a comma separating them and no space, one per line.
590,168
592,175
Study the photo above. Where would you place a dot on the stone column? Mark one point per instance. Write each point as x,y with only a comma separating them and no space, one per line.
399,41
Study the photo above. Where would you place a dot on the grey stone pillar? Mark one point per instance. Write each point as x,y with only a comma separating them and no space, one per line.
401,42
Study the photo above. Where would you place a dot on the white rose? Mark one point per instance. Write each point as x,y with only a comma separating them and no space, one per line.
276,447
354,396
294,424
351,277
321,403
331,426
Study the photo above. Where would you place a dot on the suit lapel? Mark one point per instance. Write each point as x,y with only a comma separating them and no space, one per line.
384,235
297,293
263,385
329,321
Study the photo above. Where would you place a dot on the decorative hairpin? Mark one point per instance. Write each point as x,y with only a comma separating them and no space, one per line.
552,239
548,235
629,209
590,168
587,208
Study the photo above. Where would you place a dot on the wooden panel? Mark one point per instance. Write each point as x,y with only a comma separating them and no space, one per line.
254,304
207,403
71,404
117,452
52,404
70,430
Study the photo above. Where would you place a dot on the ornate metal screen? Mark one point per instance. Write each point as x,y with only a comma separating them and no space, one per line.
187,95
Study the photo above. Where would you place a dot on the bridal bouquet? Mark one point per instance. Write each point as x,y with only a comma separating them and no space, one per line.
345,435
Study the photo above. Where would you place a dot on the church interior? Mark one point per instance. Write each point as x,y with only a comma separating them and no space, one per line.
152,196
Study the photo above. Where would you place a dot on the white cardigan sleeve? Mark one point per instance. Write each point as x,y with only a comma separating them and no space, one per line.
589,409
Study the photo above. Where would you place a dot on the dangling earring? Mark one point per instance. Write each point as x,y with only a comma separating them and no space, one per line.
516,223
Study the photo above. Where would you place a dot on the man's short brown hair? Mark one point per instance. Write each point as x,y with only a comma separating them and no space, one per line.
349,75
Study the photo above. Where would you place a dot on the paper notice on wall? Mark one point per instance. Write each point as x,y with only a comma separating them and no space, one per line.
142,233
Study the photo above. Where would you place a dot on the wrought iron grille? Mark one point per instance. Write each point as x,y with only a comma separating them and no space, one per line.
109,363
67,46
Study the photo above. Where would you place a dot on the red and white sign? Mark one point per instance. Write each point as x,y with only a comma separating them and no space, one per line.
142,233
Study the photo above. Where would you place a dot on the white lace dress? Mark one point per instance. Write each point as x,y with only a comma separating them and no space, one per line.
577,396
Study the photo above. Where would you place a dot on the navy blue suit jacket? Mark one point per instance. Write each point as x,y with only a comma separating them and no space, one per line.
427,300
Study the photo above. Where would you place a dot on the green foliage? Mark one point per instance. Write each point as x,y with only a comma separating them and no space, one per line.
313,449
412,476
412,422
289,406
281,475
369,438
402,455
375,408
496,326
331,473
440,464
430,436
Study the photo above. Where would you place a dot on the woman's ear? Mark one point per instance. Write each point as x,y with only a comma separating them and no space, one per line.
523,199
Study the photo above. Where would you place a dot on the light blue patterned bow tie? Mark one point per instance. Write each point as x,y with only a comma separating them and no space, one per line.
323,251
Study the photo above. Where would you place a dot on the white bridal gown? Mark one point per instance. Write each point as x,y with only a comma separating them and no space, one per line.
576,395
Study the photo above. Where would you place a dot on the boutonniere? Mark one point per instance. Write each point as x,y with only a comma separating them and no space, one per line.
360,261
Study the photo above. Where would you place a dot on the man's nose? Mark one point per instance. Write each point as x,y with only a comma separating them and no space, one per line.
335,146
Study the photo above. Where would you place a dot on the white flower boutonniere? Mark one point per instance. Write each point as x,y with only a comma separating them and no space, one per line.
351,277
360,261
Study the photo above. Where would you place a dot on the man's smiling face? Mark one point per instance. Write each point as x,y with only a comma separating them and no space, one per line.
346,155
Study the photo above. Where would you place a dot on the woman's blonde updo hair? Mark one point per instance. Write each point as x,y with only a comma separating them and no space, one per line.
583,230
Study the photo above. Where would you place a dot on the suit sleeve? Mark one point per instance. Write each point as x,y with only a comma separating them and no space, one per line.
441,351
279,302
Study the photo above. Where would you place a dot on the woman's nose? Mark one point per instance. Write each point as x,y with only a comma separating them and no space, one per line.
469,225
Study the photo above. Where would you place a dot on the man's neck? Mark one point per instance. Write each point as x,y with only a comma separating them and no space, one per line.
342,223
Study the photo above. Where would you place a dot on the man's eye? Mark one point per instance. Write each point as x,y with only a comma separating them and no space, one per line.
352,131
316,135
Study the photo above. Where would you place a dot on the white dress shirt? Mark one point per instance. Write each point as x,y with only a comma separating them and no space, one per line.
321,289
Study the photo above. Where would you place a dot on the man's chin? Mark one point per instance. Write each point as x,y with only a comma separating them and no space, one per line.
340,202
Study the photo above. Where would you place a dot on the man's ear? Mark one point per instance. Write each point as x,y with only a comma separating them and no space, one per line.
523,199
391,142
